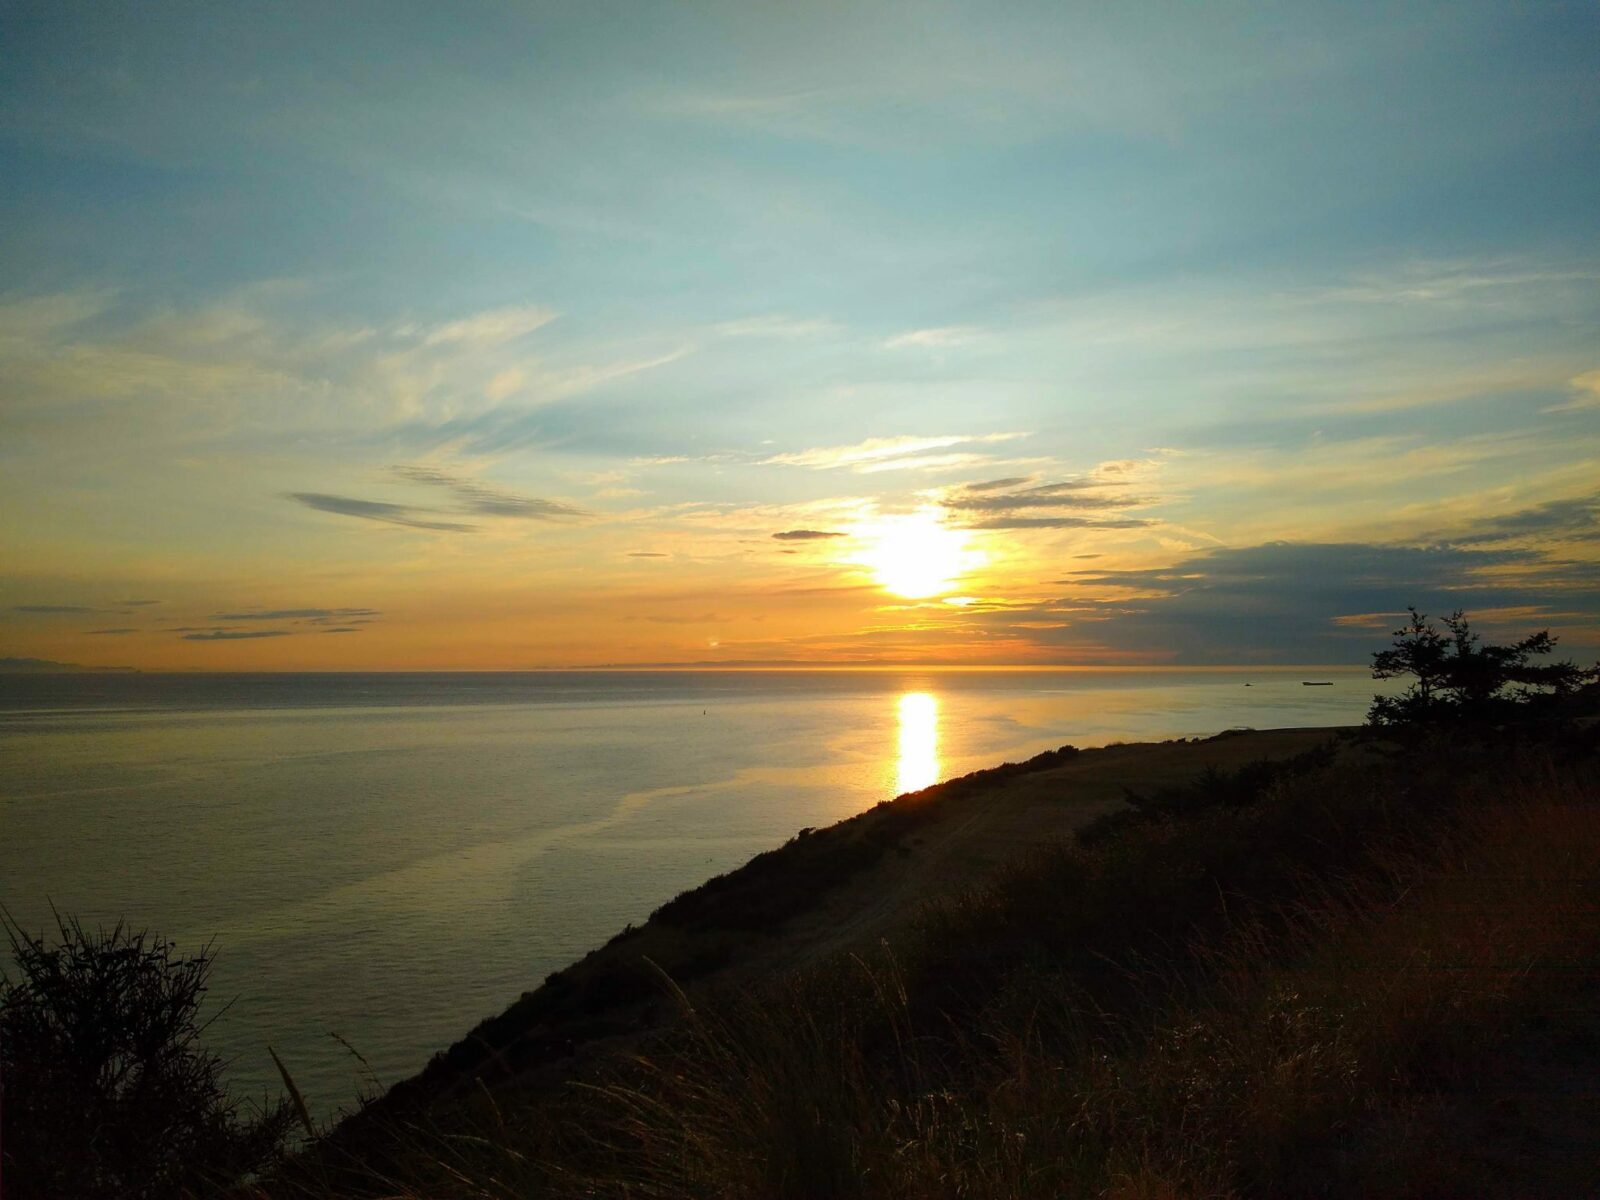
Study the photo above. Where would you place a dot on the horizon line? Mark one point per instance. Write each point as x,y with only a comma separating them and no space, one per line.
697,667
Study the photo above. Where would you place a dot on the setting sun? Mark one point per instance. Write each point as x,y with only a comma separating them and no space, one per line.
916,555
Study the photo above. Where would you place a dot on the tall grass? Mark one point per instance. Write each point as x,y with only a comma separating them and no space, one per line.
1275,998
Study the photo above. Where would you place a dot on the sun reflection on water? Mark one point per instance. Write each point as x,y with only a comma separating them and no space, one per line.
919,741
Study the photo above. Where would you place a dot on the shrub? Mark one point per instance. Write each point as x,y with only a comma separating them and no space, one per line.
108,1092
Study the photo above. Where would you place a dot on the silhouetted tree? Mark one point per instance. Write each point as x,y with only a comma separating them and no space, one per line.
108,1091
1459,677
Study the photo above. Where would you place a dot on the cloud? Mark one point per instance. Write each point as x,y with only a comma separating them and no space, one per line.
924,462
235,635
1380,621
1449,282
989,485
1574,518
492,328
29,321
53,608
646,554
776,327
1025,522
483,500
988,506
111,631
874,453
1283,601
35,664
806,535
285,614
342,629
137,603
375,510
1586,394
935,338
1053,496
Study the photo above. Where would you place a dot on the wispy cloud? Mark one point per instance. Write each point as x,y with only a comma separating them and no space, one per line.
990,485
776,327
1028,522
873,453
806,535
574,380
53,608
1100,497
924,462
1068,494
1585,394
937,338
1573,518
235,635
375,510
1450,282
286,614
492,328
28,321
485,500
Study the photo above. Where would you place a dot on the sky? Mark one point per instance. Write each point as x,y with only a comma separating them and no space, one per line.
504,336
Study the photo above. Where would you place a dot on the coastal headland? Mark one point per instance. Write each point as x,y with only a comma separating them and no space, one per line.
824,893
1285,962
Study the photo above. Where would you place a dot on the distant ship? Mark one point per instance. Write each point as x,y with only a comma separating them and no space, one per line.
1316,683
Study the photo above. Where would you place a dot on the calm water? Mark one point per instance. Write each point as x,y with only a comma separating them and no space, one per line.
393,857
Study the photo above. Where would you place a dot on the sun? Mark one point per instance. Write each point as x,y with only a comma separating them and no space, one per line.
916,555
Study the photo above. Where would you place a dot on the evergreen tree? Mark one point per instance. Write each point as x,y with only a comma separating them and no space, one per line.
1460,677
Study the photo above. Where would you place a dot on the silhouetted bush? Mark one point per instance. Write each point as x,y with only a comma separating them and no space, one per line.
108,1092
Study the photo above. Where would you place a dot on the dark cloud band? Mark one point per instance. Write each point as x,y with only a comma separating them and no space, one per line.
375,510
806,535
484,500
234,635
287,614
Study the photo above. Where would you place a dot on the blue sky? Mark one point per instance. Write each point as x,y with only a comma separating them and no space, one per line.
557,314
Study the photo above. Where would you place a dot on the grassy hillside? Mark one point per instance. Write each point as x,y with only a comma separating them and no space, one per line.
1341,975
825,890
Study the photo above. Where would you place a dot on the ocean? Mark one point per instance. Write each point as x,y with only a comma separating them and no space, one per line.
389,858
